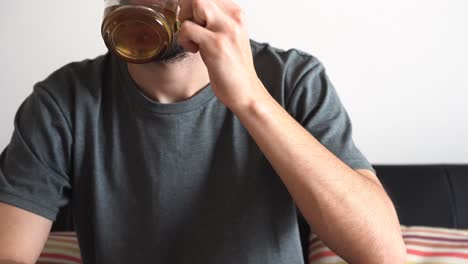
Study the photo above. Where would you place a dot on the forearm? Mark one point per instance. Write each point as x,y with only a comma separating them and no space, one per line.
350,212
5,261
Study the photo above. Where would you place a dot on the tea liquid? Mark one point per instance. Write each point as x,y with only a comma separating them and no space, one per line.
140,33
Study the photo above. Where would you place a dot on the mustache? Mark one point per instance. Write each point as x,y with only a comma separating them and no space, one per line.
174,54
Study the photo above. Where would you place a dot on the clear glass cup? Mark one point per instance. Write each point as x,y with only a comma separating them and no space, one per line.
139,31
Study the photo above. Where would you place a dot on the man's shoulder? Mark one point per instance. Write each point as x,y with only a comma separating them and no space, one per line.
77,78
281,71
266,54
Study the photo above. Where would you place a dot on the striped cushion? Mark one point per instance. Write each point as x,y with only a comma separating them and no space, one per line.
61,247
424,245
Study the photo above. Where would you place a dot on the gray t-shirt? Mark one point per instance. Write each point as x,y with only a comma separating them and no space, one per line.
166,183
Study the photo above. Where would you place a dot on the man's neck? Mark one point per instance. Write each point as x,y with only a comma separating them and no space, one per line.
171,82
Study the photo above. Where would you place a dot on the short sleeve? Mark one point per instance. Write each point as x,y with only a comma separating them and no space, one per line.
315,104
35,166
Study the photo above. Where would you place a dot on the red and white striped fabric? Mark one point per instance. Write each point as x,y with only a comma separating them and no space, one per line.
61,247
424,245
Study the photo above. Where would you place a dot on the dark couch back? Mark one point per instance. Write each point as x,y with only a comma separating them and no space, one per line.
430,195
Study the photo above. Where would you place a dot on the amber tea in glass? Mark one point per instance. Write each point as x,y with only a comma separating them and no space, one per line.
139,31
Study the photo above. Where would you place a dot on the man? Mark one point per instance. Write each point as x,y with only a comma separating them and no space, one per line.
199,158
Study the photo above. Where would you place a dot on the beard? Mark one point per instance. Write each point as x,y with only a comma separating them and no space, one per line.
173,54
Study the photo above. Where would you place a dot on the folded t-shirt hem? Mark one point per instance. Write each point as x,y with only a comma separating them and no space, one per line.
28,205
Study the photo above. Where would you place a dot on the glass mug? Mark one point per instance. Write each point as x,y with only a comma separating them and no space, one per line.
139,31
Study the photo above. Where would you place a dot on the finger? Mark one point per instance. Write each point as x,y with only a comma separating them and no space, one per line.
230,8
205,13
191,36
189,46
185,12
227,5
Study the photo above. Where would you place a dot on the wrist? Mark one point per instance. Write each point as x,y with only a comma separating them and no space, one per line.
260,112
256,101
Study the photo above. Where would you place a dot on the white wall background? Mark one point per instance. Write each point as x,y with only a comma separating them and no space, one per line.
400,67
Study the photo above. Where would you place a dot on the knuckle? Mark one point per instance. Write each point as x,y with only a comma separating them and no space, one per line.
197,4
220,43
239,16
233,30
